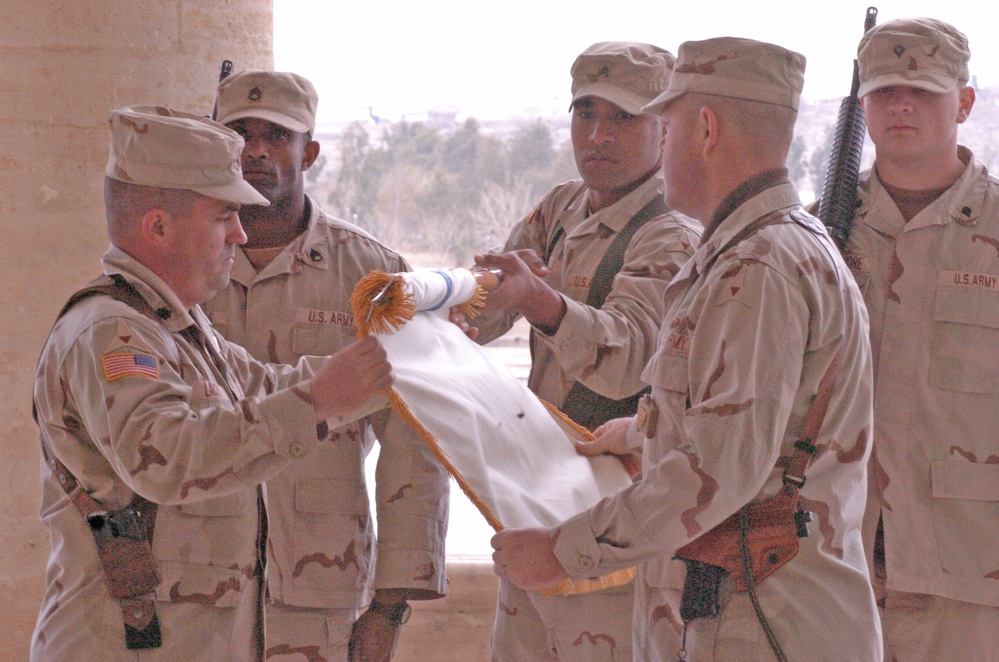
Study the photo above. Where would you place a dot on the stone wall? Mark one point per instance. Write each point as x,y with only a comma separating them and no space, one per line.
63,65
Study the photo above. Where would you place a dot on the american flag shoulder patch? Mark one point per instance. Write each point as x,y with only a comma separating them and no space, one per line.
130,364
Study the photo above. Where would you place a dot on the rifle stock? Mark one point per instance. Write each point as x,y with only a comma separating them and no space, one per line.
839,191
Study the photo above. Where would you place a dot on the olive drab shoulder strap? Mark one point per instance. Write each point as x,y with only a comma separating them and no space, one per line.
583,405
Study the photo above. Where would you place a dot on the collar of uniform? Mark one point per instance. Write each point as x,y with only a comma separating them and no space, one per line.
618,214
963,201
309,248
771,199
152,288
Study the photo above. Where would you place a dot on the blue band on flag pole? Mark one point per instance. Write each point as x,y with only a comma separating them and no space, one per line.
447,295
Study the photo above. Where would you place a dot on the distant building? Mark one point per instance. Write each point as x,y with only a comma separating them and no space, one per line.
443,116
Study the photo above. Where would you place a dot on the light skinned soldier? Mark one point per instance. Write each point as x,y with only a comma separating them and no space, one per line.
760,404
924,248
588,269
289,296
152,425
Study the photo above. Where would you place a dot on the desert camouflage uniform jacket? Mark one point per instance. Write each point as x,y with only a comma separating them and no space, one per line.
741,352
932,291
604,348
194,425
320,543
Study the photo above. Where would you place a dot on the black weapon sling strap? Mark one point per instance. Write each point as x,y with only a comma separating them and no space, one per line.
583,405
142,627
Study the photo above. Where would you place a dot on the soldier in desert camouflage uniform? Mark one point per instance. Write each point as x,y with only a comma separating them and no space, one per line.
289,295
924,249
594,322
759,316
140,402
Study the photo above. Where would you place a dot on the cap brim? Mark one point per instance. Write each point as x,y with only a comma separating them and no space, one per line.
627,101
239,192
925,81
280,119
657,105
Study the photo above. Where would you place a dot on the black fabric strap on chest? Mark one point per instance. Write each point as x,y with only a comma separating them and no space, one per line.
142,626
582,404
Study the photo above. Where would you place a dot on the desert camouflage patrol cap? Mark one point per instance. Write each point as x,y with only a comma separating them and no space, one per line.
913,52
626,73
736,68
165,148
281,97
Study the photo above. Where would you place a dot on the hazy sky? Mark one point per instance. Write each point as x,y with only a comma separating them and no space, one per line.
512,57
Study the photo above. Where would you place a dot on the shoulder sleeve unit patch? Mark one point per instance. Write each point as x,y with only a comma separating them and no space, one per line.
129,364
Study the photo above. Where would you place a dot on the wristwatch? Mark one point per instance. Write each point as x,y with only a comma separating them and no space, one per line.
397,613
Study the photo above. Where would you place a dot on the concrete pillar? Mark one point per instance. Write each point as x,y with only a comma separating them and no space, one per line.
64,64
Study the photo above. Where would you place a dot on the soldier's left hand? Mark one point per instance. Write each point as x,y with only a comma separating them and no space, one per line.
373,639
527,558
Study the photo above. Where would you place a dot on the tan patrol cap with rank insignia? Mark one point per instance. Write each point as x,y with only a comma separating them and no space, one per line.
913,52
628,74
165,148
284,98
736,68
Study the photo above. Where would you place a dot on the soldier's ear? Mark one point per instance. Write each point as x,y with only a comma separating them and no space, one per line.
707,129
966,99
310,154
156,226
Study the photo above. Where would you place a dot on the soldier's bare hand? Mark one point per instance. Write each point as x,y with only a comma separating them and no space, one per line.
373,638
524,289
527,558
460,320
611,437
357,373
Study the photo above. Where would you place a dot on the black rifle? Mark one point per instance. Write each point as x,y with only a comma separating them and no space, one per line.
839,192
223,74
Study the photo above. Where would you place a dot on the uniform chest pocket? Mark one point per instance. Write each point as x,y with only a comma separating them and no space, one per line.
320,339
964,348
965,508
233,505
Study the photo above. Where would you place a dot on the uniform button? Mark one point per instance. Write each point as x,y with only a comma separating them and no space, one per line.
585,562
296,449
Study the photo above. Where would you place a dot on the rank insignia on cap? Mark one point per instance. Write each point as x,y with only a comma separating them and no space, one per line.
129,364
255,94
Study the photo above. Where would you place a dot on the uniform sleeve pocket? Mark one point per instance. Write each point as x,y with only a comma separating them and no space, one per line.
667,372
965,509
965,335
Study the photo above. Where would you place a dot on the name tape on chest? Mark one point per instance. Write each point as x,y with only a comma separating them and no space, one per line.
324,318
968,279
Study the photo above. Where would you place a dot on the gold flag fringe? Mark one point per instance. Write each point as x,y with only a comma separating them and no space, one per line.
470,308
381,304
400,407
